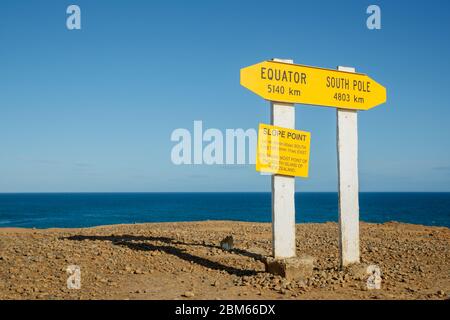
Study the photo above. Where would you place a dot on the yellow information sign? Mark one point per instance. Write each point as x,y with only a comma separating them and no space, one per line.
283,151
285,82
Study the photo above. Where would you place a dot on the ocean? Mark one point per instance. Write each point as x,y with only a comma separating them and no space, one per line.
45,210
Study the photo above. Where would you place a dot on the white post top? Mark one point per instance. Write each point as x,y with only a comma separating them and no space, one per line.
346,69
283,60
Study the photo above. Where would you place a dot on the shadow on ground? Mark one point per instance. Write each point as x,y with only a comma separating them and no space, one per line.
142,243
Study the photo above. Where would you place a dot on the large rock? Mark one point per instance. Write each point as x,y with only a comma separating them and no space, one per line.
295,268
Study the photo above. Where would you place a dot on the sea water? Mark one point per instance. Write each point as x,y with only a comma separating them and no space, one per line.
44,210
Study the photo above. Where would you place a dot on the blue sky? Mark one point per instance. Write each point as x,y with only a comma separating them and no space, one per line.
93,109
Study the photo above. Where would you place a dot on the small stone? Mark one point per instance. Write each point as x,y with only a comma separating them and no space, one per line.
128,269
188,294
227,243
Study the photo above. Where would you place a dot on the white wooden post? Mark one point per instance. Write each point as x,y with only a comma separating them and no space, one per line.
283,190
347,156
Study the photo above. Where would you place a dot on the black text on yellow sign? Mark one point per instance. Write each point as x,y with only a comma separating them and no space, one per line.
292,83
283,151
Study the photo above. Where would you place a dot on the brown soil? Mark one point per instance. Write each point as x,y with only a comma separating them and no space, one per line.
185,261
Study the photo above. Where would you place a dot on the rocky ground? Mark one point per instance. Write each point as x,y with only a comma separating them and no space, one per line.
185,261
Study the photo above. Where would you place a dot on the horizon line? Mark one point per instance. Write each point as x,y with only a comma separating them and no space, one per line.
195,192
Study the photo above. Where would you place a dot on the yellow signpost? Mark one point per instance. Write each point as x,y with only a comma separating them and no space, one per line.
291,83
283,151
